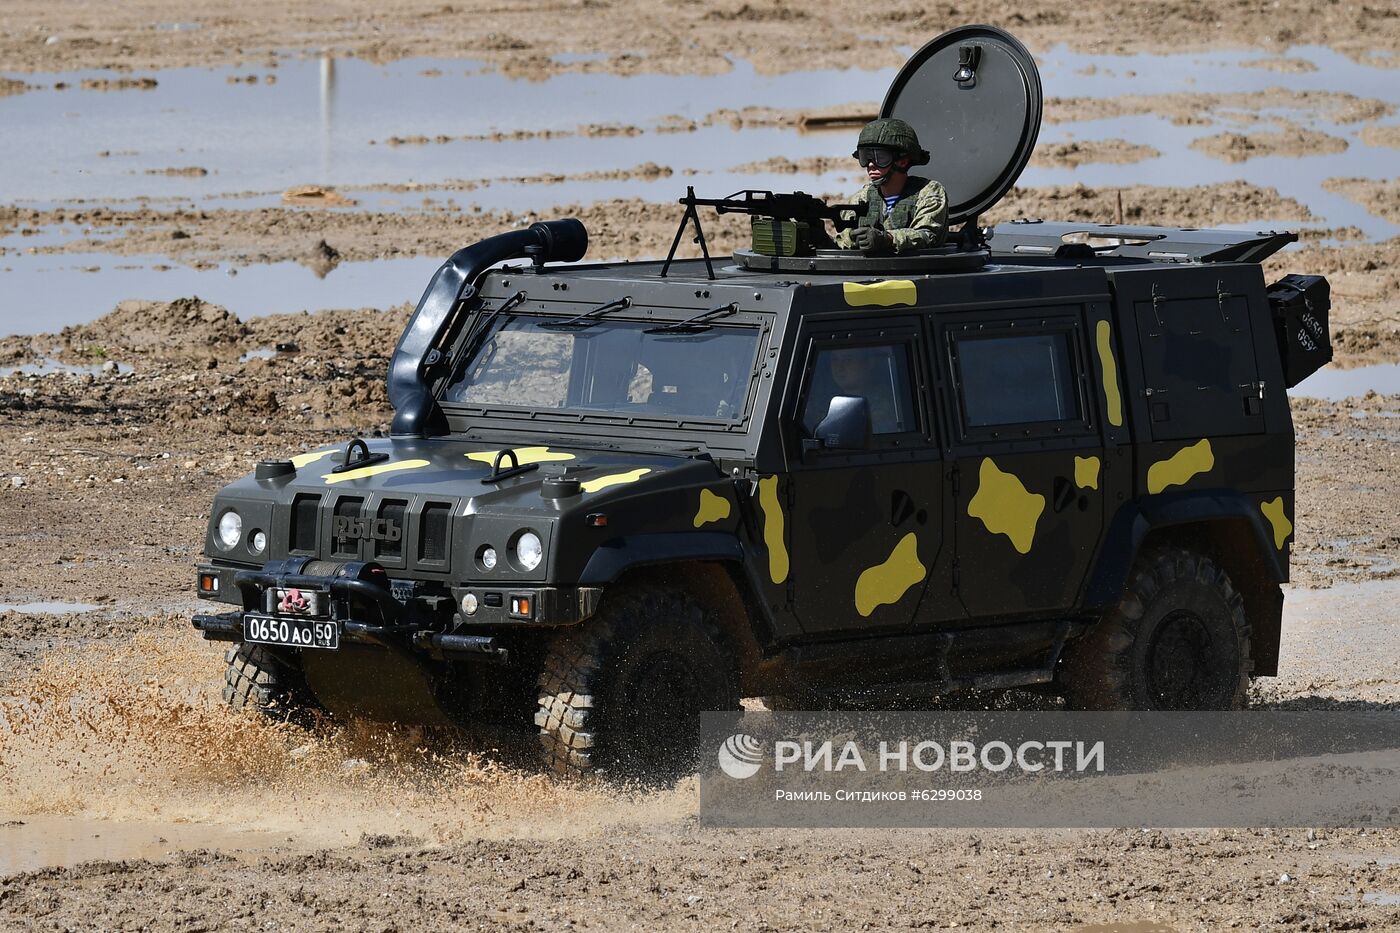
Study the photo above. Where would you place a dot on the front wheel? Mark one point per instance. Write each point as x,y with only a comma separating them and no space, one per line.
1177,640
256,680
622,694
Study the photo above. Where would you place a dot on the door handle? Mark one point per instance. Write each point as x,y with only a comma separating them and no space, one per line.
1062,493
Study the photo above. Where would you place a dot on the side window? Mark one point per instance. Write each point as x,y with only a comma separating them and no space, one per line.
1026,379
879,373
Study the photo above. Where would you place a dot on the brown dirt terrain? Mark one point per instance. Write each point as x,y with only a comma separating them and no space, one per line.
1291,140
648,35
1381,136
1203,107
1381,198
1075,153
625,229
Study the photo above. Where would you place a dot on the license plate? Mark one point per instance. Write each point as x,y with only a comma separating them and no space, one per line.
291,633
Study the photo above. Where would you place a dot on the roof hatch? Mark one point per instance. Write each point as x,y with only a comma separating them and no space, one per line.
973,96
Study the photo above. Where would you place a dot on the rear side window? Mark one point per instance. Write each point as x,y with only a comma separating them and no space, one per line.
1025,379
1014,381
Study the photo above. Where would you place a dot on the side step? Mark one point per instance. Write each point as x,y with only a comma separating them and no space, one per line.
1023,655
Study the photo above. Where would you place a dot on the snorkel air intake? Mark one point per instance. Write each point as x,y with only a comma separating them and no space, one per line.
450,295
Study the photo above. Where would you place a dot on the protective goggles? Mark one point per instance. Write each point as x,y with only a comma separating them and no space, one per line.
883,158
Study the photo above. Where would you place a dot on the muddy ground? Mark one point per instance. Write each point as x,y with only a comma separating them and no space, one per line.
115,751
114,471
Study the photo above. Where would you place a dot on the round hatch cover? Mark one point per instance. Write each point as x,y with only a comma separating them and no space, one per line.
973,96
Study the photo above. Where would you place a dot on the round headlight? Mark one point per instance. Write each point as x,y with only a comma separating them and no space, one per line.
528,551
487,556
469,603
230,529
258,541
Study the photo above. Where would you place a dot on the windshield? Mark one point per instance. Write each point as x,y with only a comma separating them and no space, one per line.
611,366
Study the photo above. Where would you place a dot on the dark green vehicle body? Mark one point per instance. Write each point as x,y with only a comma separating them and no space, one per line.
965,549
1066,463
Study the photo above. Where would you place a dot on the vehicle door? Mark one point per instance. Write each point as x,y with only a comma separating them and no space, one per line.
1028,457
867,520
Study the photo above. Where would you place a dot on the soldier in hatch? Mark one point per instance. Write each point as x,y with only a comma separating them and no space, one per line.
898,212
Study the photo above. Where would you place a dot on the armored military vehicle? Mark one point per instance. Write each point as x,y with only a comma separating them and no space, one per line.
1046,455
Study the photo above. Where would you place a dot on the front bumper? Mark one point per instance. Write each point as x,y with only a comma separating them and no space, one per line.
403,615
228,626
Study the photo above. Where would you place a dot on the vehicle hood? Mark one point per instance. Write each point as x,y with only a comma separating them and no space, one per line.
461,469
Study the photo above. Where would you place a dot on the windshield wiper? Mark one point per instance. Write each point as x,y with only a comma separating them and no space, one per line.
696,324
482,326
589,317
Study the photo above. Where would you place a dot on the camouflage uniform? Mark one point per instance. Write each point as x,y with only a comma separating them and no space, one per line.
918,220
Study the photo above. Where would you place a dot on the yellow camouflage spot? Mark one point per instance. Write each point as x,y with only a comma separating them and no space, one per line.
301,460
614,479
773,529
378,468
880,294
1113,401
1273,511
885,584
1086,472
1178,469
1005,506
713,508
524,455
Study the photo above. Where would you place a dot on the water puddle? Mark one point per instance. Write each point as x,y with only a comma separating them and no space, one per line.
31,238
48,608
196,133
1384,898
1336,384
36,842
44,293
1065,73
197,136
55,368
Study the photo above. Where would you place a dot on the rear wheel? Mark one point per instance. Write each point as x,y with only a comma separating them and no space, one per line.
622,694
257,680
1177,640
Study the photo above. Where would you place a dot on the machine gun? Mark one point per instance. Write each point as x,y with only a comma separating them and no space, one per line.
783,224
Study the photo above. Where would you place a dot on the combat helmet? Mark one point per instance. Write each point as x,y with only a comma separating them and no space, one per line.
896,134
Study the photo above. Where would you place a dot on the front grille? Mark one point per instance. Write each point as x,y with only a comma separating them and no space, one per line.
433,531
393,513
346,547
305,519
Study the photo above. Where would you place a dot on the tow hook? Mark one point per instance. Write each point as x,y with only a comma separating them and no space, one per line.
455,647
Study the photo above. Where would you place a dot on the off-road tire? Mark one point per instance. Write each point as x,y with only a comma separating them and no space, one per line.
621,694
256,680
1178,639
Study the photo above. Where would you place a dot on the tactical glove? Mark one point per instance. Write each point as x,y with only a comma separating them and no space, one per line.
872,241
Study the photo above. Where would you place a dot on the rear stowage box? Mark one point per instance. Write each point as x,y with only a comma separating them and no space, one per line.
1300,304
